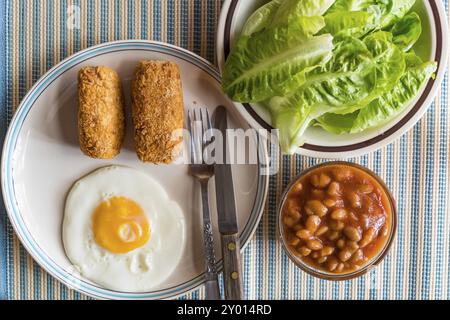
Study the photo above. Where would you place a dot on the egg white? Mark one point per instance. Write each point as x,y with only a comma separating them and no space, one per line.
138,270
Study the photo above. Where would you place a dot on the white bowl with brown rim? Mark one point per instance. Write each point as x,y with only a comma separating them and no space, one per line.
432,45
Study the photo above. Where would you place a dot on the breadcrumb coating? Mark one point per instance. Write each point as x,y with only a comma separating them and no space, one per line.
157,109
101,119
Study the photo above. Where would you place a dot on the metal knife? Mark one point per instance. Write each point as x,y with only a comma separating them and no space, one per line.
226,210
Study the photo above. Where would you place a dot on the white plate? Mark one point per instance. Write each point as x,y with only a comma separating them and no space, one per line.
433,45
41,160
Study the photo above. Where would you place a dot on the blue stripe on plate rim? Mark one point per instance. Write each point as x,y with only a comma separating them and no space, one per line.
8,181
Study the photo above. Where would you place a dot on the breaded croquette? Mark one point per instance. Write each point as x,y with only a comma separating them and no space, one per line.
101,119
157,108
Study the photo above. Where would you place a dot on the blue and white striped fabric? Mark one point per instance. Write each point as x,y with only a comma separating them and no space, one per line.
35,35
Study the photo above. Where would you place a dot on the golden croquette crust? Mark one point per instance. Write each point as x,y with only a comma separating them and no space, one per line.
101,119
157,109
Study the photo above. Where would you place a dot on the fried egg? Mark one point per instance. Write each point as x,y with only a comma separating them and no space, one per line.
121,230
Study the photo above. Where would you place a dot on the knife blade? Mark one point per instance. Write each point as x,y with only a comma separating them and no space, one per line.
226,205
226,211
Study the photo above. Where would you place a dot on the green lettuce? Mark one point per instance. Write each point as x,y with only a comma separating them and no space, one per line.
343,65
337,123
261,18
346,79
256,71
407,31
361,5
392,103
290,11
355,23
267,62
389,63
399,9
387,106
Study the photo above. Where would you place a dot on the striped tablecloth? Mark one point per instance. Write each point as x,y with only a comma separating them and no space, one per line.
35,36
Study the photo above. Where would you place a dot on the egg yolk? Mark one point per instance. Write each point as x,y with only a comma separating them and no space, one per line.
120,225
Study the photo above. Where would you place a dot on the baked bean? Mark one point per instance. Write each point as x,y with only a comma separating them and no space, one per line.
315,254
320,181
312,223
329,203
339,214
297,227
294,241
352,246
344,255
316,207
352,233
304,251
304,234
336,225
321,231
317,193
315,180
295,214
355,200
297,188
334,235
334,189
342,174
352,216
365,221
357,257
289,221
314,244
339,268
332,264
365,188
384,231
322,259
340,243
368,236
290,204
326,251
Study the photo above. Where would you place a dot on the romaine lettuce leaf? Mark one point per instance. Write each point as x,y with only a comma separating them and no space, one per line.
261,66
346,79
392,103
355,23
407,31
399,9
274,58
384,14
337,123
389,65
261,18
290,11
361,5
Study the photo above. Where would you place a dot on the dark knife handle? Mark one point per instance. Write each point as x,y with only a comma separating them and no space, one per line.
232,270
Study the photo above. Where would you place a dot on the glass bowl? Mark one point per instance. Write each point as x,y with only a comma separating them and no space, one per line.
372,262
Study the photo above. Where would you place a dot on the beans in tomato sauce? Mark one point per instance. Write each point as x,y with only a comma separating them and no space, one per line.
336,218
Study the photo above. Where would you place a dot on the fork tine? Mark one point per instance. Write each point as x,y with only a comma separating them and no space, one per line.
208,124
199,136
202,133
203,127
198,128
191,134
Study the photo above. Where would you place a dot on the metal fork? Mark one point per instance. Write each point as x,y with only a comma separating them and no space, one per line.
199,123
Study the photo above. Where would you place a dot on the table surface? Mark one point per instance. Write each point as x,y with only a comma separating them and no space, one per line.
35,36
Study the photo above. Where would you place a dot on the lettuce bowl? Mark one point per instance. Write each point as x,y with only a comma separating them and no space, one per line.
433,45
